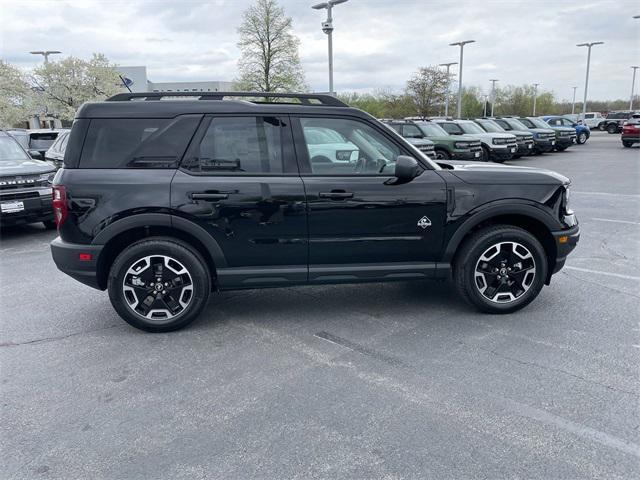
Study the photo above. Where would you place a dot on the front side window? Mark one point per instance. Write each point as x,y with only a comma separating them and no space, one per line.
589,115
452,128
242,145
366,151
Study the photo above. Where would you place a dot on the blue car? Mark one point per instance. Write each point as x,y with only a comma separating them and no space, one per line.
582,131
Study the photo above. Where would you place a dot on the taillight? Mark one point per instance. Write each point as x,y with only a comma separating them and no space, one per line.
60,210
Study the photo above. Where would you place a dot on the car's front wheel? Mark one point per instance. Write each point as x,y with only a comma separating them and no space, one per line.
500,269
612,128
442,154
159,284
627,144
582,138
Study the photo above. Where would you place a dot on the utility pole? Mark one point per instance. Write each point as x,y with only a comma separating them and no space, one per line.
45,54
573,102
486,98
327,28
535,97
461,45
633,84
446,99
586,80
493,93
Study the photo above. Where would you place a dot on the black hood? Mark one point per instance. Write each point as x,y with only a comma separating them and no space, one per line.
492,174
10,168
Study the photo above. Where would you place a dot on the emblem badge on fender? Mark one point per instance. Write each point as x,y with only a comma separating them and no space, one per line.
424,222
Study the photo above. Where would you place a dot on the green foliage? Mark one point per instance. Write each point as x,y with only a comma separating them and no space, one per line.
427,89
62,86
472,103
16,96
269,60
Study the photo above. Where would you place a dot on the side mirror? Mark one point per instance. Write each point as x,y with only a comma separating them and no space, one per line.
35,154
407,168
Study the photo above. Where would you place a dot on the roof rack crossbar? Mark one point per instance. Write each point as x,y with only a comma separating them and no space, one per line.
304,98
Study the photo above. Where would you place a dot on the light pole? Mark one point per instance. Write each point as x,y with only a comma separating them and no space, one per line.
535,97
633,84
586,80
327,27
573,102
486,98
493,93
45,54
461,44
446,99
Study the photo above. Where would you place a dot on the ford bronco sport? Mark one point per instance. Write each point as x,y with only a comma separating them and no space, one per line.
161,201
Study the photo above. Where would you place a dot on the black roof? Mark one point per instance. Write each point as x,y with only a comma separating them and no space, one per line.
169,104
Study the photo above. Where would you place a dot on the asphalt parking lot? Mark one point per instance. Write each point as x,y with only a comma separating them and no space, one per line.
398,380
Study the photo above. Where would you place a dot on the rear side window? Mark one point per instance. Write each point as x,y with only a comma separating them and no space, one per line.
137,143
240,145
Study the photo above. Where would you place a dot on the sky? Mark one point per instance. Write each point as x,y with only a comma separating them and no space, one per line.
378,44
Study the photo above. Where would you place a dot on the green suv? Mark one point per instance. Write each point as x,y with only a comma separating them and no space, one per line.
455,147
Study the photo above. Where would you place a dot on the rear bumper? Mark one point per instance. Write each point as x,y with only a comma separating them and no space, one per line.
67,258
566,241
36,209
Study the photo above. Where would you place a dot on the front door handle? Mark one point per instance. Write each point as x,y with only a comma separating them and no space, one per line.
209,196
336,195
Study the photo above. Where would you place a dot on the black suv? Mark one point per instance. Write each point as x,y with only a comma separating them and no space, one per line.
613,123
162,201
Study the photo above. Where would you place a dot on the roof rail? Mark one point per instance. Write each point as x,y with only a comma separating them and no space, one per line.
317,99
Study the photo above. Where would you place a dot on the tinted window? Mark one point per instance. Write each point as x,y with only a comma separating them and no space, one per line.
589,115
411,131
365,151
137,143
241,145
451,128
556,122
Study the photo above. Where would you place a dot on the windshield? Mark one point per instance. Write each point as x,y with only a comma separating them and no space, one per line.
490,126
432,129
515,124
539,123
10,150
470,127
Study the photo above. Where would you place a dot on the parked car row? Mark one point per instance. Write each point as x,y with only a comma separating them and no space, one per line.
492,139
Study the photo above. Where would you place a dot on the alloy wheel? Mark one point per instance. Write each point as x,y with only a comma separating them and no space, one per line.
505,272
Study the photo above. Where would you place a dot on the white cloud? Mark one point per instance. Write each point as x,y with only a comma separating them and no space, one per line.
377,43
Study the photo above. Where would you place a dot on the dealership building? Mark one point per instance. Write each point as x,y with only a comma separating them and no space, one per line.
136,79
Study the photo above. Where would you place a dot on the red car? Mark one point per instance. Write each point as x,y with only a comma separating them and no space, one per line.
630,132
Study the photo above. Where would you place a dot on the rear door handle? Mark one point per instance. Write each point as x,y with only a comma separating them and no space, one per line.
209,196
336,195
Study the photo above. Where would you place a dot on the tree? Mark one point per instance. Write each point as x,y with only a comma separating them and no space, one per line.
16,96
427,89
472,102
66,84
269,60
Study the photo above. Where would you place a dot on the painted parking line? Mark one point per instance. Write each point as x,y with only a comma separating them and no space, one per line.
599,272
607,194
615,221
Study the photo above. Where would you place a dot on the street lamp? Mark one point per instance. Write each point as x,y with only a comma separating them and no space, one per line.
486,98
586,80
633,84
327,28
45,54
493,93
461,44
446,99
573,103
535,97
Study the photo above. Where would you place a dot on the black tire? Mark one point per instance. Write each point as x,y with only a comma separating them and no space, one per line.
582,139
486,155
469,257
561,149
612,128
442,154
50,225
627,144
602,126
184,256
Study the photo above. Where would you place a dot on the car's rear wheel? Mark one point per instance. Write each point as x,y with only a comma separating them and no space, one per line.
159,284
612,128
486,156
500,269
442,154
627,144
582,138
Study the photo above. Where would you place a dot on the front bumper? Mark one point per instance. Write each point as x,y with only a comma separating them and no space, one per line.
67,258
563,142
544,145
34,209
525,147
503,152
466,155
566,241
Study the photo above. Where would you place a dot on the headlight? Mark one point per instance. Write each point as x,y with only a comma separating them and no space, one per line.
499,141
47,177
462,145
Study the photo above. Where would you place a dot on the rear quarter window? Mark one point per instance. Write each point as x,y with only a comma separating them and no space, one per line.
137,143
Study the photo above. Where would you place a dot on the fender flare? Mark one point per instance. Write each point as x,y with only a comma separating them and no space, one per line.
164,220
496,209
